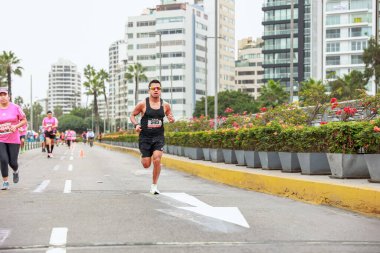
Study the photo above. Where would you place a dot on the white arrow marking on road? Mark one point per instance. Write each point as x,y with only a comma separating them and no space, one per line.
67,186
4,233
70,168
71,158
42,186
228,214
58,240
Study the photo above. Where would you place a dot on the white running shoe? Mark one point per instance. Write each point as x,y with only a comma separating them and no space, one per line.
154,190
5,185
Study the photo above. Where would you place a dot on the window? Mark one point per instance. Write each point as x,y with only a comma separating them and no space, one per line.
146,23
356,59
333,60
130,24
333,20
360,31
332,33
333,47
358,45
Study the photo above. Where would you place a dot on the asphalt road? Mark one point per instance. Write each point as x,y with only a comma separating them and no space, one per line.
101,203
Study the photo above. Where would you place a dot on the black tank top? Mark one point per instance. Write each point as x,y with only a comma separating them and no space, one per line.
152,123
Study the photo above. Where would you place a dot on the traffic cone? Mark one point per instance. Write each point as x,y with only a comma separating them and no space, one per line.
81,153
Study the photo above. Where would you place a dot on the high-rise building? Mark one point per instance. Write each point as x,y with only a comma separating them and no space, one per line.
117,100
248,67
64,86
277,40
169,41
348,25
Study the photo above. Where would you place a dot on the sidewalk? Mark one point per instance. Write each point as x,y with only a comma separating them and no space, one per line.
356,195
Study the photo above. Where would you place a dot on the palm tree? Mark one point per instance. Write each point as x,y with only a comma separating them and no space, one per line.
136,72
273,94
313,94
103,77
349,86
371,59
19,101
94,87
9,63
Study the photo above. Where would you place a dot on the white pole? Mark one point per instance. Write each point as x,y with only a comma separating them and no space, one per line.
291,50
31,103
206,113
216,68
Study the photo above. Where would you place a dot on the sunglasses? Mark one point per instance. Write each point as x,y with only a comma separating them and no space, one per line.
155,88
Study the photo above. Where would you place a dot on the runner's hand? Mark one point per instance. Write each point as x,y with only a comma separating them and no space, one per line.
138,128
170,118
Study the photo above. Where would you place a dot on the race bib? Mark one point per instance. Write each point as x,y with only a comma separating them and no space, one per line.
154,123
5,128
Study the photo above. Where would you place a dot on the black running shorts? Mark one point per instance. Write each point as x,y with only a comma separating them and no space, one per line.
50,134
148,145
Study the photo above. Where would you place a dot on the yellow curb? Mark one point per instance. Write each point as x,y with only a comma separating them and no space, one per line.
357,199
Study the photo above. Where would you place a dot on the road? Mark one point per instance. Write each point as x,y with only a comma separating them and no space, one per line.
95,200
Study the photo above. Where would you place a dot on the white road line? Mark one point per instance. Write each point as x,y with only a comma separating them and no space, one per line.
71,158
56,167
42,186
70,168
67,187
4,233
58,240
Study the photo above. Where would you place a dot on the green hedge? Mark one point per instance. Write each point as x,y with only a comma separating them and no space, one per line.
335,137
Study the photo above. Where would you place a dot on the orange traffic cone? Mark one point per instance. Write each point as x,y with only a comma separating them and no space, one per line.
81,154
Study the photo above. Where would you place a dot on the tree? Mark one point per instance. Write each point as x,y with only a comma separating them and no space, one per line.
103,77
19,101
37,117
273,94
136,72
313,93
94,86
9,63
58,112
349,86
72,122
82,112
240,102
371,59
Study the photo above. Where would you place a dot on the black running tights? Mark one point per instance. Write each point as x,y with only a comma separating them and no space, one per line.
8,155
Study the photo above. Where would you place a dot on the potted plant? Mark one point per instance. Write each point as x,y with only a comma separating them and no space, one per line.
229,145
248,139
193,146
343,147
288,158
268,146
311,148
216,142
369,139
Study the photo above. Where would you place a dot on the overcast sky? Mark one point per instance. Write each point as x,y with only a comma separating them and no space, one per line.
40,32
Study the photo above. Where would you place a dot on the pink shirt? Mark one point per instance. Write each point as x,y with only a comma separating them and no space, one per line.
10,116
70,135
47,123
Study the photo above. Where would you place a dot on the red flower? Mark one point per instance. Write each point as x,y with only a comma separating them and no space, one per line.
376,129
333,100
323,122
263,109
339,112
228,110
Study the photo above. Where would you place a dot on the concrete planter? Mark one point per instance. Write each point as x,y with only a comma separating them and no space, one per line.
180,151
229,156
314,163
270,160
206,154
289,162
252,159
171,149
373,163
165,149
347,165
240,157
195,153
216,155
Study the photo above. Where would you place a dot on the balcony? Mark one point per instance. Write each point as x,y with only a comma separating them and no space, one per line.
279,32
279,3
